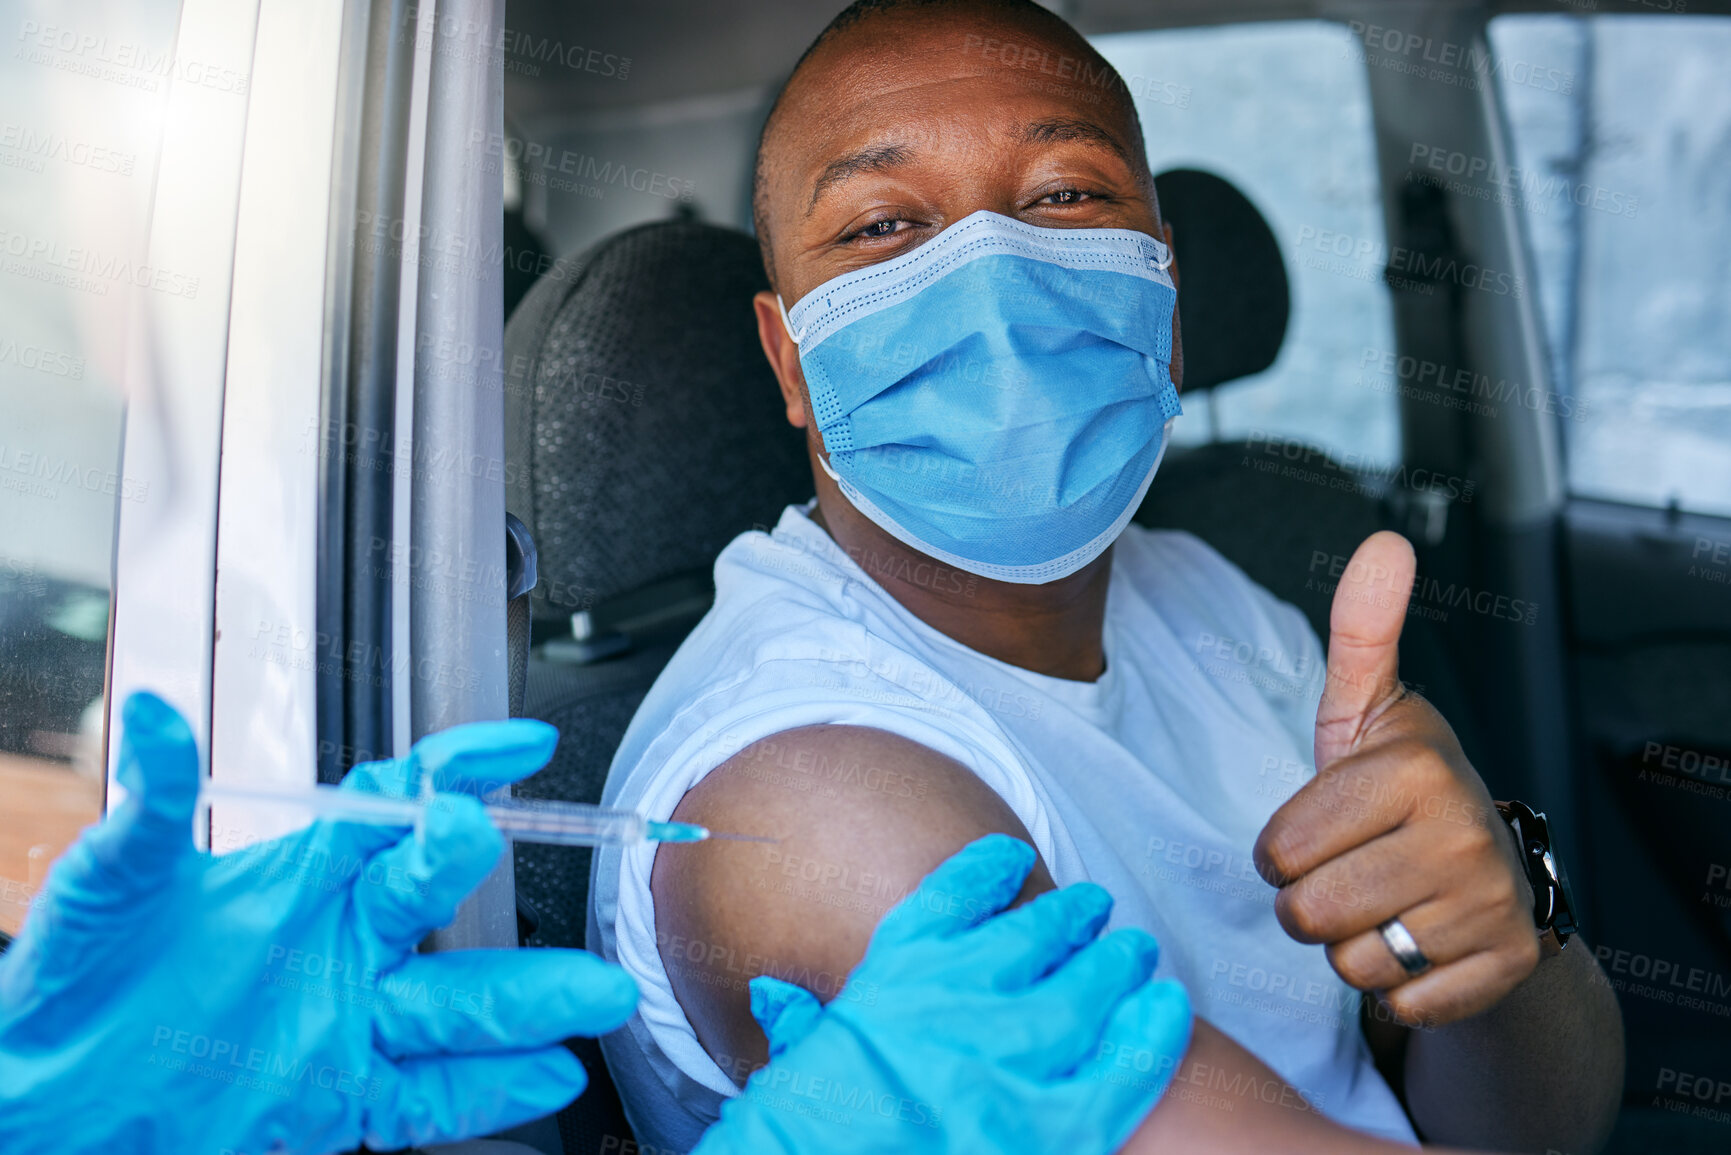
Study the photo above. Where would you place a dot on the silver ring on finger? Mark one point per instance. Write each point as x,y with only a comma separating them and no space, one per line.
1403,947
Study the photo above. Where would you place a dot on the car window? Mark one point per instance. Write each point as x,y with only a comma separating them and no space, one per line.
82,88
1623,180
1283,112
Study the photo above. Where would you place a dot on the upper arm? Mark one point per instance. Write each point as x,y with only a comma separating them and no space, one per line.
861,816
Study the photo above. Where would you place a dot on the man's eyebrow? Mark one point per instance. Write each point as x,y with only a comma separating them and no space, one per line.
876,158
1065,130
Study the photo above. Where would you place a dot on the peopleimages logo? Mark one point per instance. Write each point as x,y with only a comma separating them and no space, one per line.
119,61
49,361
1368,258
1450,62
518,51
45,467
1455,387
1533,188
254,1068
1426,596
534,159
90,270
34,147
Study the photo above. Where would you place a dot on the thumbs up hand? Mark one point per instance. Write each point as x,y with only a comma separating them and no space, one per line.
1397,825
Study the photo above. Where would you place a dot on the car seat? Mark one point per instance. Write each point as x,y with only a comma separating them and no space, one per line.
644,431
1233,307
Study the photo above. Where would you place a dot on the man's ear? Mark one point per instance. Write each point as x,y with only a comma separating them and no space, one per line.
783,357
1177,335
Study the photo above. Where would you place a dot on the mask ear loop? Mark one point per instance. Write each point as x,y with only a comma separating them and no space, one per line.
788,324
822,459
1163,262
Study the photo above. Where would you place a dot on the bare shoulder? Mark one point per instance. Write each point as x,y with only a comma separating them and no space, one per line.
860,815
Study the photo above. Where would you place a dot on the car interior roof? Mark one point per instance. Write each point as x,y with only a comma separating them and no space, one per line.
682,49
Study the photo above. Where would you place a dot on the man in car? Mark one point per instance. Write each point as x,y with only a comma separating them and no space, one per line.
973,319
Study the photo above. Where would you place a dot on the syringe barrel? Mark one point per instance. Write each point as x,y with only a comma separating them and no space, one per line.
544,820
566,823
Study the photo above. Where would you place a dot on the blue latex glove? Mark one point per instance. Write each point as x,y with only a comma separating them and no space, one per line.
164,1002
961,1032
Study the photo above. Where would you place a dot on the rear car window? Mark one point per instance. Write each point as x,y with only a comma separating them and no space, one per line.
1623,178
1204,96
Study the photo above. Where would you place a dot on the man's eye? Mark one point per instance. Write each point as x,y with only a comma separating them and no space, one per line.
1067,196
878,229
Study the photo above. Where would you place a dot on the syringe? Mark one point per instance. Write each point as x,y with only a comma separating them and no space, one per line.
542,820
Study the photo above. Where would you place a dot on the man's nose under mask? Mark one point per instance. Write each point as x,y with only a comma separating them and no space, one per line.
1000,397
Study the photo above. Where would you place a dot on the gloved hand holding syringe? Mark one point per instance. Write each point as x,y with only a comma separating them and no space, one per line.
162,1001
543,820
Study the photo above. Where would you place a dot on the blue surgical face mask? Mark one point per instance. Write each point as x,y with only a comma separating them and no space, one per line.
1000,397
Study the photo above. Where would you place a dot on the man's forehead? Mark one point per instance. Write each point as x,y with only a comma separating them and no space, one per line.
866,72
873,90
911,47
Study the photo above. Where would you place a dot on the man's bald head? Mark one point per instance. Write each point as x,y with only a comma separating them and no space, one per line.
886,41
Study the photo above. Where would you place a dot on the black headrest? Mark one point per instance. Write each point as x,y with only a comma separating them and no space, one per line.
1232,293
644,429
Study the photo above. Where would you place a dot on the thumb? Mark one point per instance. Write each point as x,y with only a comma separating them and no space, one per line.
477,757
786,1013
1364,641
143,838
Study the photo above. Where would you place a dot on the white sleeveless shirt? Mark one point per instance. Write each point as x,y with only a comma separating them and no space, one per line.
1153,782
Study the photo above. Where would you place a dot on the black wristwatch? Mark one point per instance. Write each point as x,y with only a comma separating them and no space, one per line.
1553,905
